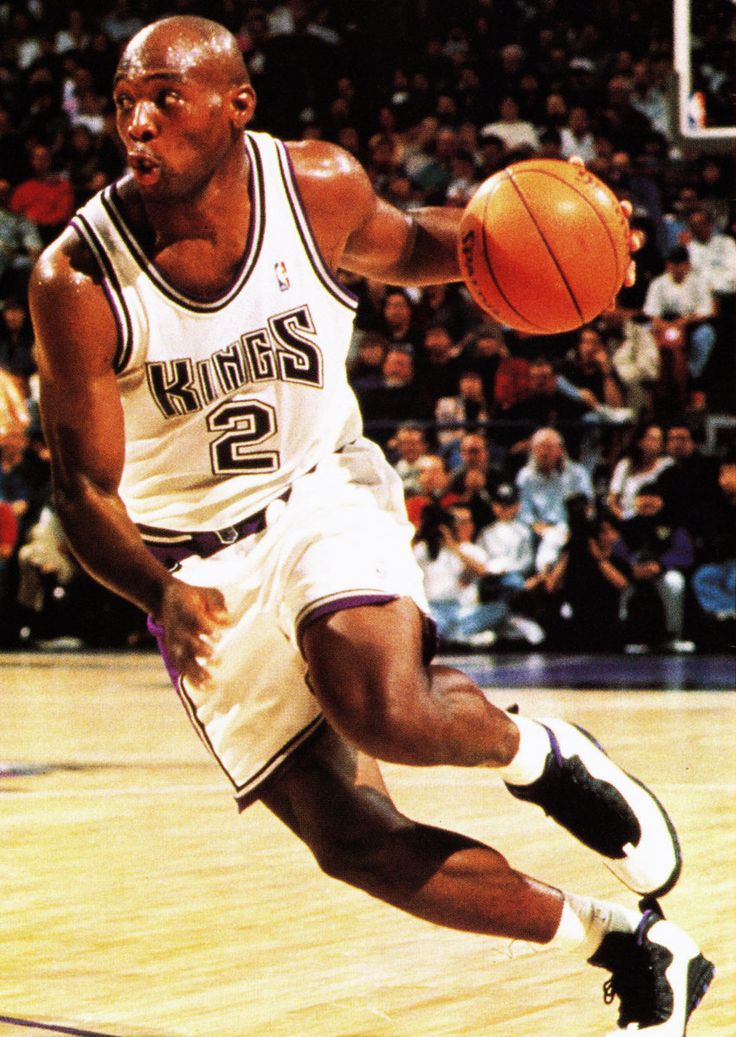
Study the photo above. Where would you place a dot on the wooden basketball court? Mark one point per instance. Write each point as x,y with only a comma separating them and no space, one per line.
136,903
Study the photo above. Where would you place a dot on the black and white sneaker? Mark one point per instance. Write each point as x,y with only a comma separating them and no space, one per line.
658,974
605,809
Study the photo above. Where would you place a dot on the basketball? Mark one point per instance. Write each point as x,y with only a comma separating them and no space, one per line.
543,246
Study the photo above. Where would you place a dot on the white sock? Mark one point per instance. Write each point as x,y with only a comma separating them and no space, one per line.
585,921
531,756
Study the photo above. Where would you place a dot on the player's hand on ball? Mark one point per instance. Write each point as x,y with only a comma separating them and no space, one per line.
193,619
636,237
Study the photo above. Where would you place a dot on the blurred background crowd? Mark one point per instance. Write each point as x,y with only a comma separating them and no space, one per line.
575,491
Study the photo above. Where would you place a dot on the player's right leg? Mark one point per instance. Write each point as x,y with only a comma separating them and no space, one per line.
334,799
366,670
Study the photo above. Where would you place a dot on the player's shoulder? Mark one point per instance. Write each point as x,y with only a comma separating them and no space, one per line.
66,265
68,304
330,176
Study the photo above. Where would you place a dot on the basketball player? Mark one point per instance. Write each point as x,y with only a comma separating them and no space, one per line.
209,467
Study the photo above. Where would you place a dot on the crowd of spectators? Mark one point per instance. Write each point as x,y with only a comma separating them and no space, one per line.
542,473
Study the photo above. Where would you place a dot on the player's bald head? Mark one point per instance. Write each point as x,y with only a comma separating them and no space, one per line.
185,45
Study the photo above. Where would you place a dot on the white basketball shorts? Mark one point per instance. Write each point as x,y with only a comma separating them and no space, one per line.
341,540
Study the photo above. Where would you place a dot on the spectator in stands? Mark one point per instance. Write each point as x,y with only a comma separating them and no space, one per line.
580,596
121,22
590,370
365,371
628,182
576,137
676,219
410,446
434,489
659,554
473,492
476,455
690,484
712,254
20,244
650,97
16,341
483,351
395,400
398,325
454,415
588,374
514,131
451,564
713,258
643,463
436,175
649,264
46,197
448,306
544,404
492,152
545,483
714,581
681,307
625,126
637,363
508,544
438,364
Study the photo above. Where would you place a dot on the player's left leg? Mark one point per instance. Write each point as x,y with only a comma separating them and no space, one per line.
333,798
365,668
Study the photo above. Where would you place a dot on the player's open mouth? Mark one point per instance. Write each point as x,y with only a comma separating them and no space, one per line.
145,169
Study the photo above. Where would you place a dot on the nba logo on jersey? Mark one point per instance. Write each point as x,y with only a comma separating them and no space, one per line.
282,277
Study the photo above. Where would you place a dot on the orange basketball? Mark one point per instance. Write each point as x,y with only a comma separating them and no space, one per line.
544,246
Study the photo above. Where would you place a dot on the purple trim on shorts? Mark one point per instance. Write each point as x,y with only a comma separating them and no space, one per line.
430,638
158,632
337,605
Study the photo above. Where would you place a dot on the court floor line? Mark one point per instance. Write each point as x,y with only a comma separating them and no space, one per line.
33,1024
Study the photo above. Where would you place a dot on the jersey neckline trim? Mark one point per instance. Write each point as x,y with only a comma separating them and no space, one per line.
111,204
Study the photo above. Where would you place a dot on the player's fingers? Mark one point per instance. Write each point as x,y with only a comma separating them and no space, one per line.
576,160
628,208
630,278
217,607
636,240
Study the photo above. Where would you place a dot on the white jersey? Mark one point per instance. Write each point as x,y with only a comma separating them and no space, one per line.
227,402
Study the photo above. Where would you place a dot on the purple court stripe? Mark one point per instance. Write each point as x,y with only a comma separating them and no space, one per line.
31,1024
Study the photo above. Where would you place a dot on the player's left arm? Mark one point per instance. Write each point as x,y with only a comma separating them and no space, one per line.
360,232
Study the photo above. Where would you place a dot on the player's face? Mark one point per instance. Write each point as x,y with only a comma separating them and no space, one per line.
175,116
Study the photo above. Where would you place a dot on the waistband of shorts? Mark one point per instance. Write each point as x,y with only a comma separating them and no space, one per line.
171,547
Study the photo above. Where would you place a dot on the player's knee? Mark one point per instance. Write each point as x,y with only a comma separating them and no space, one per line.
387,718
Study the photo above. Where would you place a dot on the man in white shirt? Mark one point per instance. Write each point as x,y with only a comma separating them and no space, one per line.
712,255
681,305
513,131
451,564
508,545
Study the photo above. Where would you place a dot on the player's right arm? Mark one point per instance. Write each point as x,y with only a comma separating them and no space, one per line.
82,416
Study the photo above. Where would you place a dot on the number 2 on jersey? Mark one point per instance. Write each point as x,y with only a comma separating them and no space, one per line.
243,424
